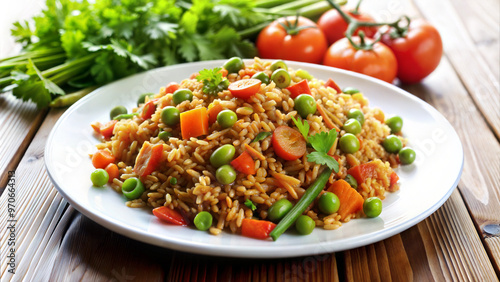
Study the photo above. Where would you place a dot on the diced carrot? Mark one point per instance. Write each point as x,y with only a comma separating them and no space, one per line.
170,216
254,153
96,126
363,171
224,72
112,170
301,87
394,179
194,123
350,200
328,121
213,111
244,163
106,130
148,159
102,158
258,229
332,84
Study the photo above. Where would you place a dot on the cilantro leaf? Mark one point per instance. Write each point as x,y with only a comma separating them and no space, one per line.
250,204
324,159
322,142
261,136
303,126
213,82
160,29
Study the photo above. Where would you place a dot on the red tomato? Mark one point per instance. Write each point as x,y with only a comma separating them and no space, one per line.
244,163
418,53
171,87
148,158
170,216
331,83
245,88
334,26
148,110
379,62
288,143
298,88
307,45
258,229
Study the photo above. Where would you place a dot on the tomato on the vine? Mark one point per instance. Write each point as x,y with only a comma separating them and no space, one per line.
418,51
334,26
379,62
301,40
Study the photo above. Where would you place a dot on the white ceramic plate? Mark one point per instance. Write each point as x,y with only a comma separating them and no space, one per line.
425,185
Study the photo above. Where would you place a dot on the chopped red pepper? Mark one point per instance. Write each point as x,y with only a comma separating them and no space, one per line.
298,88
363,171
394,180
244,163
106,130
258,229
171,87
148,110
170,216
332,84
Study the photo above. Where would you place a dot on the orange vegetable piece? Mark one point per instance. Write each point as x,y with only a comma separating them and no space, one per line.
169,215
244,163
106,130
112,170
350,200
194,123
171,87
301,87
96,126
258,229
148,159
224,72
332,84
213,111
363,171
254,153
393,180
102,158
328,121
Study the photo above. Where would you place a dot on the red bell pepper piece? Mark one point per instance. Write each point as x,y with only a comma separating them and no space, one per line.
258,229
244,163
170,216
332,84
298,88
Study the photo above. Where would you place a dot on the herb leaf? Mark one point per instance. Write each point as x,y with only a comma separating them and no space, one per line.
250,204
302,125
324,159
322,142
261,136
213,82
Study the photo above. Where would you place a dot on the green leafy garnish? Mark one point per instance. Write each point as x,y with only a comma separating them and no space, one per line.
213,82
302,125
322,142
261,136
250,204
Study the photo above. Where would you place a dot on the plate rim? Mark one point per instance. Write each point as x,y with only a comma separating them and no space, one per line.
216,250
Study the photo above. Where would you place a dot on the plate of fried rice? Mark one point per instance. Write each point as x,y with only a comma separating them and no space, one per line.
254,158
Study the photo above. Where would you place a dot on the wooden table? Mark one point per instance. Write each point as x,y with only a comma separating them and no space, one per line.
54,242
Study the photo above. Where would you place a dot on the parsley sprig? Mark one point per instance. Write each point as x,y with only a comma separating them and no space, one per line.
213,82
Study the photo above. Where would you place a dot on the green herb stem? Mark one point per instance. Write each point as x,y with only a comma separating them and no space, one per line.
311,193
250,32
69,99
67,65
295,5
34,54
270,3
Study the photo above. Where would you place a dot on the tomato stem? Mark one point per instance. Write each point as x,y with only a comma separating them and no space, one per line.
293,28
356,9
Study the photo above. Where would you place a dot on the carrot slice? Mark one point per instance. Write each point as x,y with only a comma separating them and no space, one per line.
213,111
194,123
258,229
244,163
112,170
148,159
328,121
102,158
350,200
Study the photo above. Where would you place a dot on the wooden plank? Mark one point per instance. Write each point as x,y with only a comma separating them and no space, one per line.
474,72
19,123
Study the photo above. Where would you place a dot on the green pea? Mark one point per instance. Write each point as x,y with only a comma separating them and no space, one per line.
407,156
279,209
170,116
173,181
116,111
305,104
395,123
125,116
181,95
349,143
356,114
226,118
278,64
99,177
225,174
352,181
305,225
281,77
392,144
164,135
350,90
303,74
203,220
132,188
372,207
234,64
223,155
352,126
262,76
328,203
142,98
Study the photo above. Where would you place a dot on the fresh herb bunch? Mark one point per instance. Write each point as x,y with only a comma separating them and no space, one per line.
213,82
76,44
